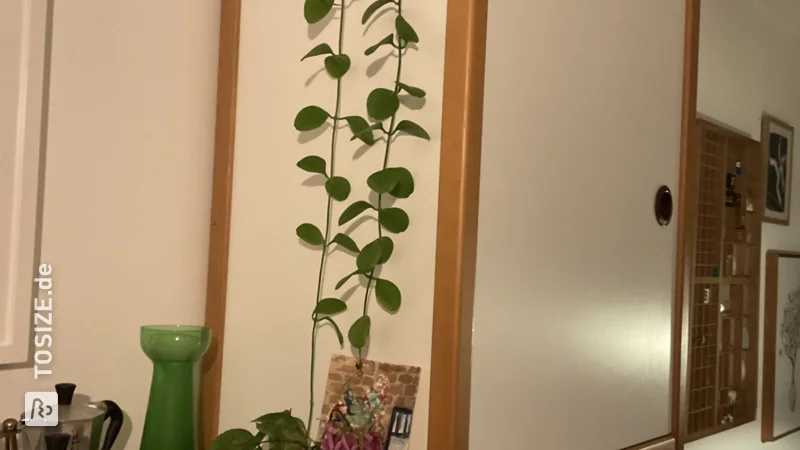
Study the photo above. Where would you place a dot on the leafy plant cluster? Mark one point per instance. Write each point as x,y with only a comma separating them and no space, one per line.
281,430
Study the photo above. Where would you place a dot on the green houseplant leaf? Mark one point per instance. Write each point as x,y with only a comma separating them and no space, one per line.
313,164
388,40
346,241
236,439
337,65
285,432
336,328
316,10
361,129
321,49
409,127
411,90
405,31
338,188
387,248
310,234
310,118
346,277
372,9
388,295
369,256
393,219
405,183
359,332
330,306
352,211
382,181
382,104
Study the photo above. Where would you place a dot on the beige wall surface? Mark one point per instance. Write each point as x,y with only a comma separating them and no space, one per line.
128,184
574,289
749,64
272,276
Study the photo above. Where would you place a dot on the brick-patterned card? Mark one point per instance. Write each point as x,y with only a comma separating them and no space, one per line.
403,384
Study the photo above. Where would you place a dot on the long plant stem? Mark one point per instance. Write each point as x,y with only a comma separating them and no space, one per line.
389,134
328,213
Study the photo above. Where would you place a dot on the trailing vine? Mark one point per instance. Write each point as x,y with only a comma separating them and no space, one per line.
383,105
281,430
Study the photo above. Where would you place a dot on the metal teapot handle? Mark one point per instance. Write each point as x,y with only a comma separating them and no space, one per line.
116,419
9,432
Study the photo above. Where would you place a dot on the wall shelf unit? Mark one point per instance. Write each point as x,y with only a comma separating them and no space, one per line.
724,222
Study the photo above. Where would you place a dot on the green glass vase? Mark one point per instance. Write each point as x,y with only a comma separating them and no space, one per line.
172,411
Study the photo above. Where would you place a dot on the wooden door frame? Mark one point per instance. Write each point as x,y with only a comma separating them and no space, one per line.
457,225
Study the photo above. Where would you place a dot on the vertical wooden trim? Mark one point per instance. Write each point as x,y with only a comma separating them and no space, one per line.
456,240
680,346
219,239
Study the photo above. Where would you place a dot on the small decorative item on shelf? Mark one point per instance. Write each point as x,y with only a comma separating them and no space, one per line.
355,423
732,397
727,419
706,295
399,429
171,420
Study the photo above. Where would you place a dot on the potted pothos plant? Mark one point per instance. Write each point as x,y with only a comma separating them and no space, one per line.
354,423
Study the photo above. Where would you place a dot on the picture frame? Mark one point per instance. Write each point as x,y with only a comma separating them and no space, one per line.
780,415
777,143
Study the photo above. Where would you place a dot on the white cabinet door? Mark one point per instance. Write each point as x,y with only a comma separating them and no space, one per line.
573,304
23,36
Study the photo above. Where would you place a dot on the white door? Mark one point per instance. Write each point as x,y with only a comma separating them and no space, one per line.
574,291
23,25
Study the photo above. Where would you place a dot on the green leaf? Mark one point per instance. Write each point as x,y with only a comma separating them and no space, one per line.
310,234
335,327
313,164
405,183
387,248
330,306
359,332
388,295
310,118
316,10
393,219
388,40
405,31
373,8
382,104
413,129
338,188
369,256
412,91
382,181
346,242
236,439
337,65
374,127
344,280
361,129
321,49
352,211
283,430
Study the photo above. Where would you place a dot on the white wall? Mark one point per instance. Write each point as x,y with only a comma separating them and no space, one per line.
574,285
749,64
128,184
272,277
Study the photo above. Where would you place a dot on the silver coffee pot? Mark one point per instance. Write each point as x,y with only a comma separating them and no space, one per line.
79,426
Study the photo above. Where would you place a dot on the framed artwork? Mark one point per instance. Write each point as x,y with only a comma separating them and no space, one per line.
780,409
23,119
777,141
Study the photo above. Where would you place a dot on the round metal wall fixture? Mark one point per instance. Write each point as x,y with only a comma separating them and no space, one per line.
663,206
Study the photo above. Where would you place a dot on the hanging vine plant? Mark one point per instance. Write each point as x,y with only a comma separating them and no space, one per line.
383,105
282,430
